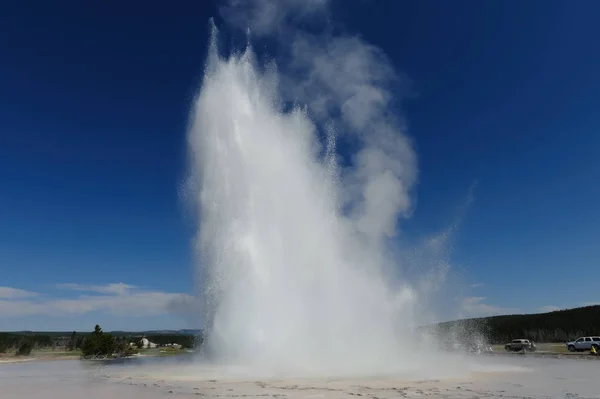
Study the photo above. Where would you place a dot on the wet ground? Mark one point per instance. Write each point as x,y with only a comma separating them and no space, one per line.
488,377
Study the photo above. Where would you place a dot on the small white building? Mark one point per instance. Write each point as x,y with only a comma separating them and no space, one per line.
147,344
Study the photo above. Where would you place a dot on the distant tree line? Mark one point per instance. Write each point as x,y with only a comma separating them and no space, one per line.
11,342
557,326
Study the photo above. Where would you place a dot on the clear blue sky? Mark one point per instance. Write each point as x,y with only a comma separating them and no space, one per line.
93,109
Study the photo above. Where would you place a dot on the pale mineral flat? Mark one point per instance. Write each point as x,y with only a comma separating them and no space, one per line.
487,377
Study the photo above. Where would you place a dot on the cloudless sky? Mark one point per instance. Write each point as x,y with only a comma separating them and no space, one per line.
93,110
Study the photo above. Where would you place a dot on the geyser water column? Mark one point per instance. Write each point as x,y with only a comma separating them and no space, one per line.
290,282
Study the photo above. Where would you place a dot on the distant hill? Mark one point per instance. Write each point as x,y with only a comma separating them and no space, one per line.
557,326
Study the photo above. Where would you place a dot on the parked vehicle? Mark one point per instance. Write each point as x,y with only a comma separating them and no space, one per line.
518,345
582,344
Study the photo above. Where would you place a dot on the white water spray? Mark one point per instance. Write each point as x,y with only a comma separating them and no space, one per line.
291,283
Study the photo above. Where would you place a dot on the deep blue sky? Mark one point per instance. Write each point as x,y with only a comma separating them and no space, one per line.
93,109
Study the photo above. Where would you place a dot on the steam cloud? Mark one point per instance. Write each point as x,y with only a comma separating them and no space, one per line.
343,80
293,239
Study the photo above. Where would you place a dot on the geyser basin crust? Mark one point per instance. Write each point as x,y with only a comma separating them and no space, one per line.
515,378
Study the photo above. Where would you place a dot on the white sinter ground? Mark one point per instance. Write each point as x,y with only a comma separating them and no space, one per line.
498,377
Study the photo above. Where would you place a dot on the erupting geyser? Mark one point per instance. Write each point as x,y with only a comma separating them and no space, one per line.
293,246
